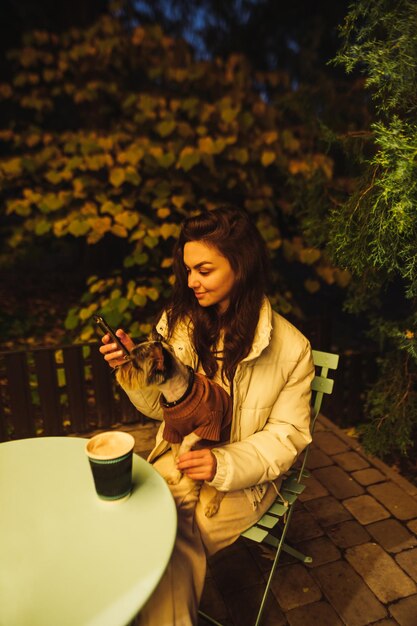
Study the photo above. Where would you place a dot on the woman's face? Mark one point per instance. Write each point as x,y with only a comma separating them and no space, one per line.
210,275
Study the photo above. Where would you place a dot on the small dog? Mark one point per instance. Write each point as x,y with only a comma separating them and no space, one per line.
194,407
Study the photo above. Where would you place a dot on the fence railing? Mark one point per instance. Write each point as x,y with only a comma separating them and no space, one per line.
71,390
57,391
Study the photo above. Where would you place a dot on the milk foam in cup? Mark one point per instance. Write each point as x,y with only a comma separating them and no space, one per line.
110,456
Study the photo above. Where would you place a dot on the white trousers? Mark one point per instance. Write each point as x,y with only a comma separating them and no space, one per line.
176,599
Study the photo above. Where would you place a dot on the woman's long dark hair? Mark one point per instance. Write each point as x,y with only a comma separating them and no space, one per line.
232,232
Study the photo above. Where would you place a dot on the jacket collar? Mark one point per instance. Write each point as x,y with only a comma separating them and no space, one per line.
262,336
263,331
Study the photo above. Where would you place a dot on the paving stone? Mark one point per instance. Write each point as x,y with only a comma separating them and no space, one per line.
380,572
293,587
328,511
322,550
303,526
330,443
401,505
338,482
350,461
348,594
368,476
392,535
313,490
243,608
408,561
320,613
366,509
405,611
348,534
413,526
317,458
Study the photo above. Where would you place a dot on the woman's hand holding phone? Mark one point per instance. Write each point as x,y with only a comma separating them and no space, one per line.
117,344
112,352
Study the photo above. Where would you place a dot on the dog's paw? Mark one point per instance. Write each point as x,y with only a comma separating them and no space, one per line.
174,478
211,508
213,505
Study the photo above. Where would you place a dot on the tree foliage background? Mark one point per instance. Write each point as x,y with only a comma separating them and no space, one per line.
119,121
116,132
374,233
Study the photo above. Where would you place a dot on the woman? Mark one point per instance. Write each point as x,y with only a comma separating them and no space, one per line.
220,322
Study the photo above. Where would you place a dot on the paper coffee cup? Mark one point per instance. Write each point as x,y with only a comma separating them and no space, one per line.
110,456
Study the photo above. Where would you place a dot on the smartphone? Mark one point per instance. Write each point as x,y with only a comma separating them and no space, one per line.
103,325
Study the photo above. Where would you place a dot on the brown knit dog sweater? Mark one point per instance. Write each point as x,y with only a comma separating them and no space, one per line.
206,410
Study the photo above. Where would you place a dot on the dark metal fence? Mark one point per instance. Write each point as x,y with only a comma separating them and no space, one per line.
70,389
58,391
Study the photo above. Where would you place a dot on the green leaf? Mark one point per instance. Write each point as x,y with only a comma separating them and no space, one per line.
188,159
267,157
53,177
151,242
111,207
133,177
112,314
123,305
153,294
19,207
229,114
13,167
78,228
117,176
141,258
128,219
42,226
72,320
51,202
139,300
138,258
169,230
166,160
165,128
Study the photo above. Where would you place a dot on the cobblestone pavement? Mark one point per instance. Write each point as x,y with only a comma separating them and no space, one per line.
358,520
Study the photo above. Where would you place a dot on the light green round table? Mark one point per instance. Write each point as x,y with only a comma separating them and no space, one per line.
66,557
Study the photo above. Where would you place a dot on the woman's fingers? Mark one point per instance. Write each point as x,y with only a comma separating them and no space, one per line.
125,339
112,352
198,464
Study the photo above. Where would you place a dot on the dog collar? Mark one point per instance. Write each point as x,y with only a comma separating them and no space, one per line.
187,391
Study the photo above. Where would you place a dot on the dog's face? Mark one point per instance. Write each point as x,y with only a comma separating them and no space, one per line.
151,363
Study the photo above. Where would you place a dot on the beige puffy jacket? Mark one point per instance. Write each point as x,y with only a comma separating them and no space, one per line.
271,405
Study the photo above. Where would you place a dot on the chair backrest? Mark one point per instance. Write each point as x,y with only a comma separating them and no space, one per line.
323,362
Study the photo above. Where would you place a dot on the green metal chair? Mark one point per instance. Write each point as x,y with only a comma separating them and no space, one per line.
291,487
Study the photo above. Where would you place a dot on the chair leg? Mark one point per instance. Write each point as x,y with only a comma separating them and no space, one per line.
280,546
296,554
274,566
209,619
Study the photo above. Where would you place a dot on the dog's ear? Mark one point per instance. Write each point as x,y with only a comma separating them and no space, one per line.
155,336
168,362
